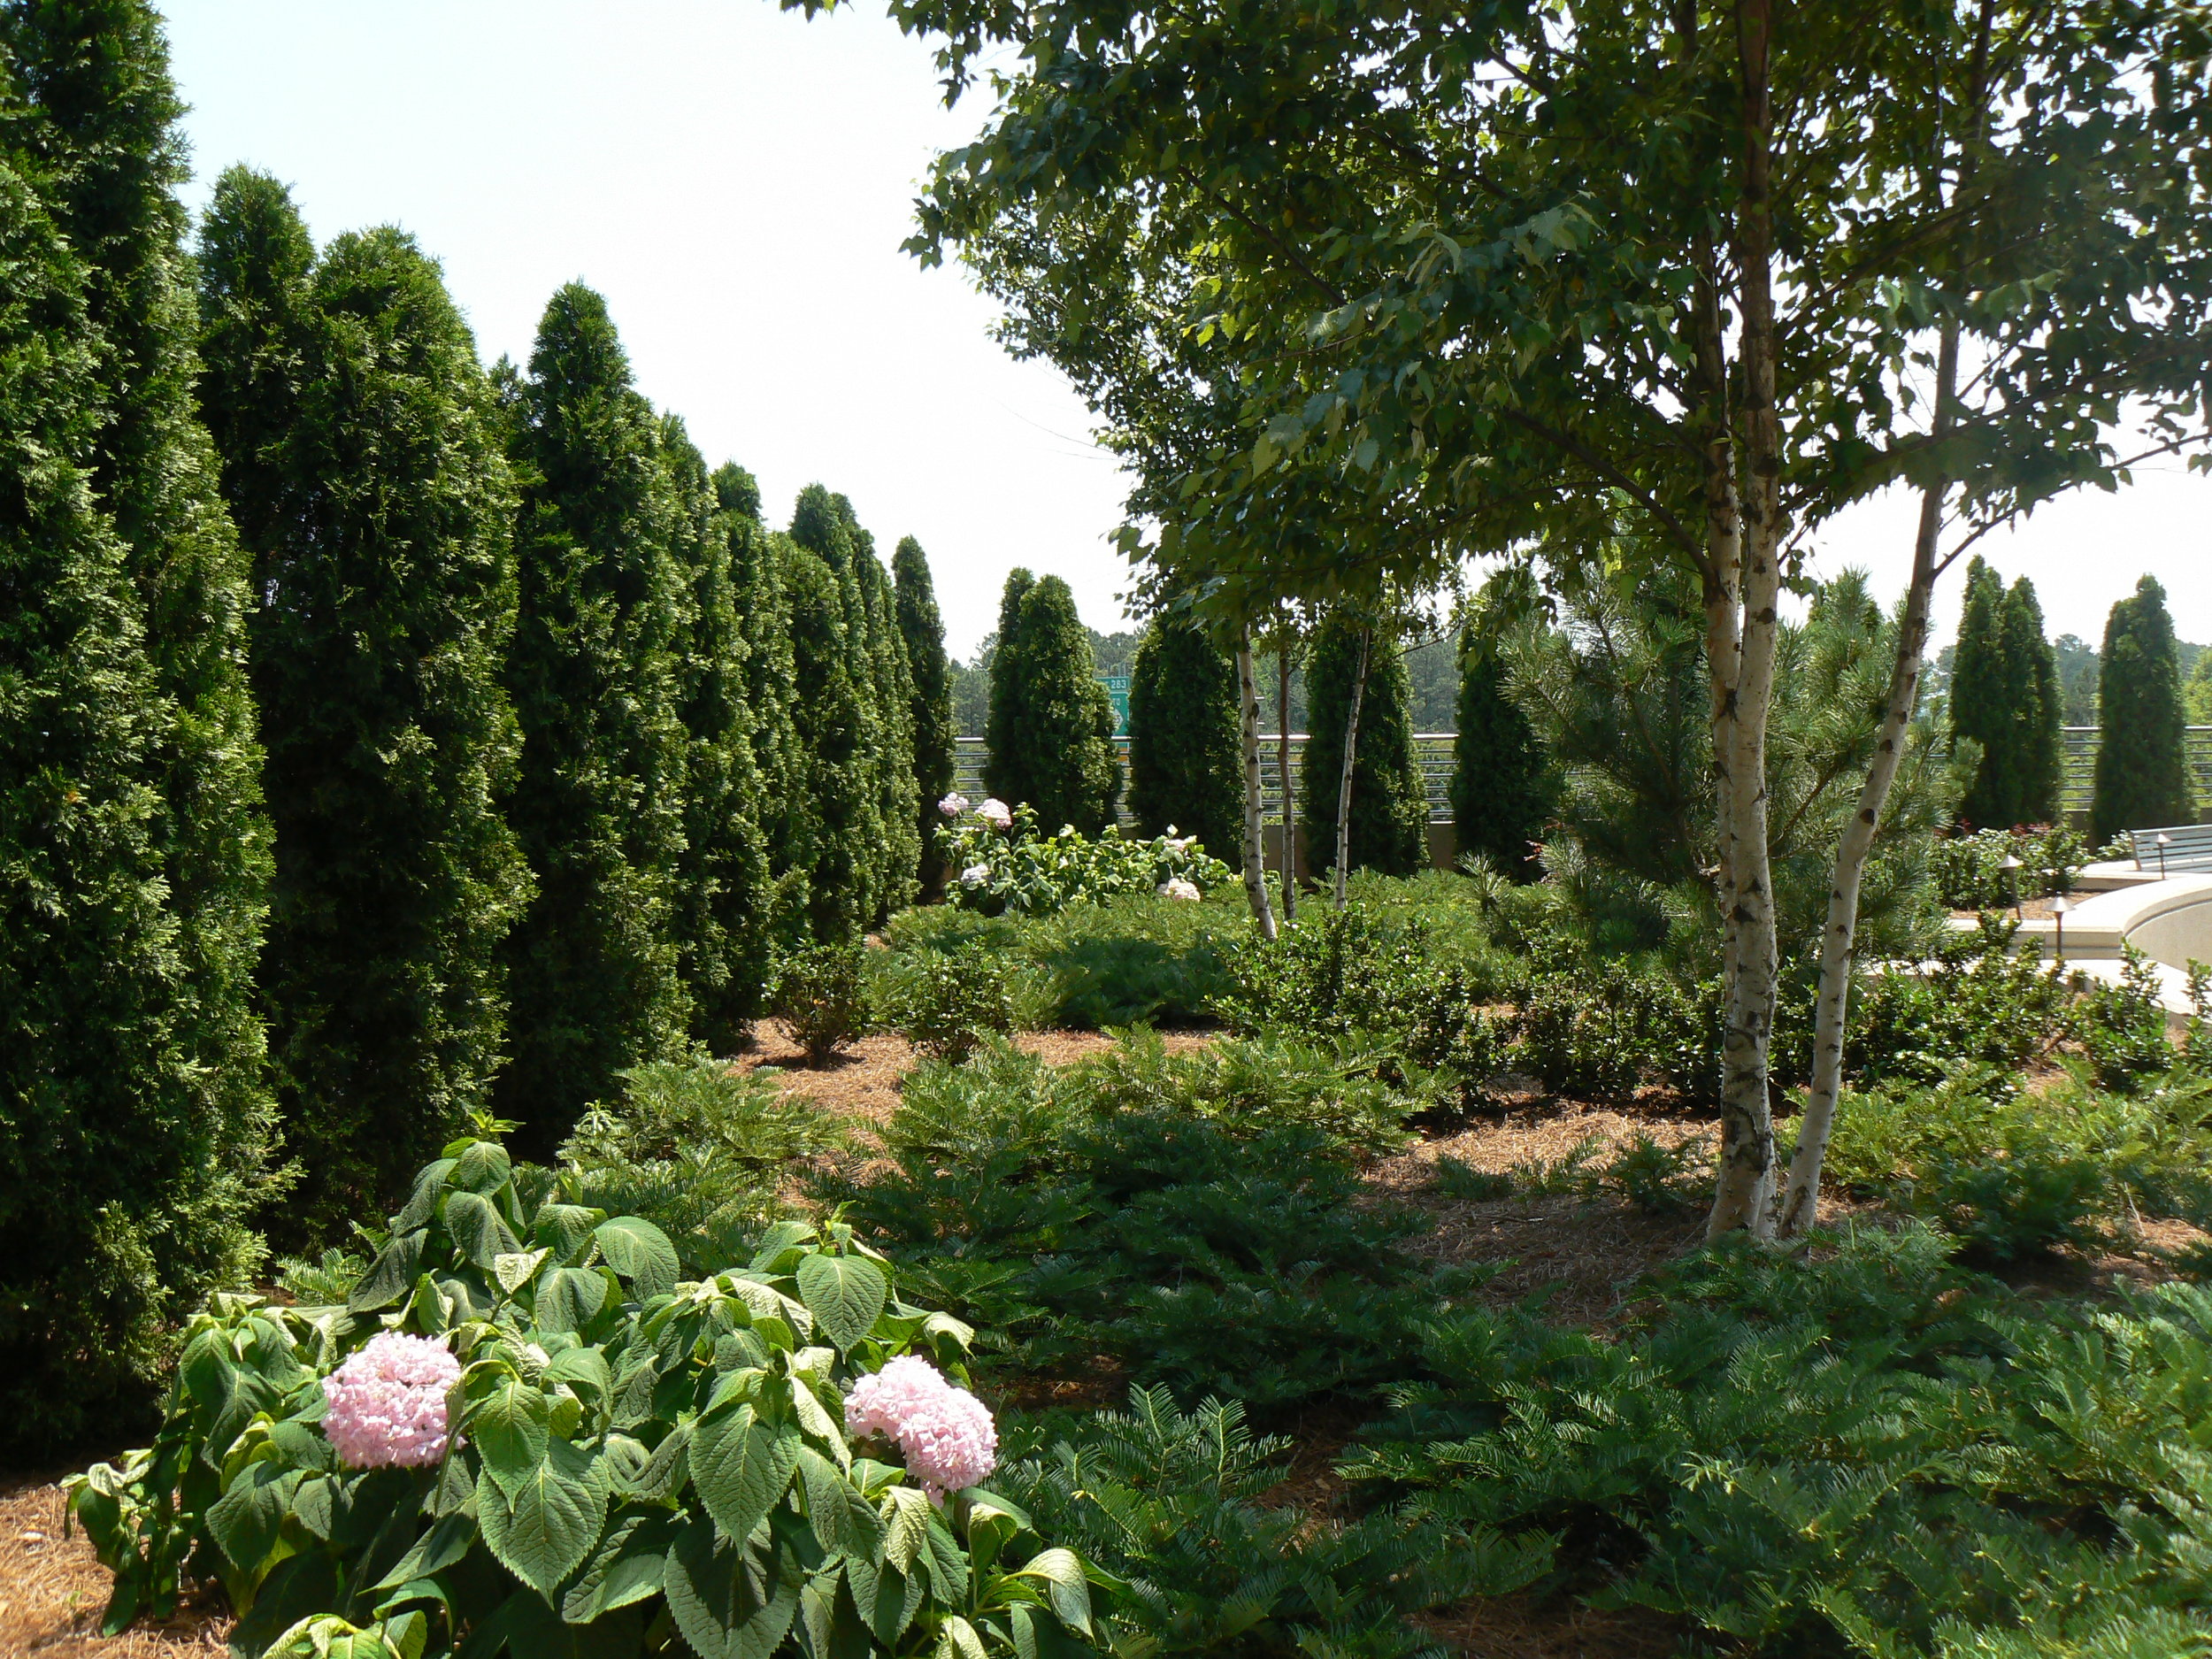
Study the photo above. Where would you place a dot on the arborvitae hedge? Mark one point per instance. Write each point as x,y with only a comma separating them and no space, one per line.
1500,793
1185,749
2038,748
364,465
125,1178
922,631
833,783
106,130
139,1114
758,560
1389,806
892,684
852,845
723,895
1982,699
595,974
2142,766
1051,727
2005,695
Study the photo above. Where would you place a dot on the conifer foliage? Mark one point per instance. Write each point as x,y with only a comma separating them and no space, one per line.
1186,760
595,973
2006,697
363,461
1051,727
922,630
133,1114
1390,809
2142,767
1500,787
723,897
121,1192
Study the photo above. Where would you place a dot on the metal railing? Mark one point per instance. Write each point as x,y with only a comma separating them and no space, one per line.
1431,750
2081,764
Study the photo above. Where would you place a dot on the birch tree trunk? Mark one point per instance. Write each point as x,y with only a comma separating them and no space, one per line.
1744,1192
1344,780
1282,774
1248,732
1800,1206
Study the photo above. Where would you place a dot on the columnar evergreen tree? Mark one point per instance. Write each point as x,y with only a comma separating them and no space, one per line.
1983,699
2039,755
758,559
2142,766
364,465
1501,796
723,896
892,688
1185,755
126,1171
2006,695
922,631
595,972
1051,730
1390,811
822,524
828,700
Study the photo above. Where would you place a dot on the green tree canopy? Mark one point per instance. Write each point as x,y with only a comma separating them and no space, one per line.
124,1180
922,631
595,972
1501,777
1186,760
1390,807
1051,730
2007,699
363,460
184,1126
2142,780
724,899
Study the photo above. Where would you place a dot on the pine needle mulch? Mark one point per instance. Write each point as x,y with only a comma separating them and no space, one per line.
52,1590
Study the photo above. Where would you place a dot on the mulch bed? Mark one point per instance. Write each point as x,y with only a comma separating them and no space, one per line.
53,1589
1582,1256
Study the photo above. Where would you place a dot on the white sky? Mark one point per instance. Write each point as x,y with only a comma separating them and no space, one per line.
737,181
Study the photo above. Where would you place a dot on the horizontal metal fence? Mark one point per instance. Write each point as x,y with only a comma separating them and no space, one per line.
2081,765
1431,750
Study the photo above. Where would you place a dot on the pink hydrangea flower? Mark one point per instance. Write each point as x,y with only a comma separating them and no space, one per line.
946,1434
954,804
997,813
388,1403
1186,891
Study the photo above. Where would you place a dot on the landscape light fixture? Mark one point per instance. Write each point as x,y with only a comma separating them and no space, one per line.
2164,841
2059,907
2010,865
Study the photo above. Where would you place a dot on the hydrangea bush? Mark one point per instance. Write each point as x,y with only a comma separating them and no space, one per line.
520,1434
1000,862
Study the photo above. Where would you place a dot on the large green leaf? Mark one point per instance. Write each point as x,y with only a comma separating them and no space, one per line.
564,1229
422,1204
741,1464
640,1253
1062,1574
844,1522
483,1166
844,1294
568,1297
509,1426
728,1603
545,1525
245,1520
477,1229
391,1276
628,1565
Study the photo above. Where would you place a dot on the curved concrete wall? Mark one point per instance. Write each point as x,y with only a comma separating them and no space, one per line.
2173,923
